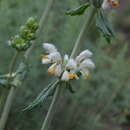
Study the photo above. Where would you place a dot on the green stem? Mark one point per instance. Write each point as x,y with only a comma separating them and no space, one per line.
7,107
11,94
13,63
50,111
84,28
76,46
41,23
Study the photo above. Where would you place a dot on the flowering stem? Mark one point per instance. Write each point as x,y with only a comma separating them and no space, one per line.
12,91
11,94
47,120
13,63
84,28
76,46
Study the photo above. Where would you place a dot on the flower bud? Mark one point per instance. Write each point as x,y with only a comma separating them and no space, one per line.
26,34
32,24
19,43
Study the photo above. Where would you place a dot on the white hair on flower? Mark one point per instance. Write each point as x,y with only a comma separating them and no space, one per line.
66,58
71,64
65,76
83,55
58,70
87,63
49,47
46,61
55,57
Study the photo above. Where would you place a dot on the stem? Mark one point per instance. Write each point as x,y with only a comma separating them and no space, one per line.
76,46
13,63
9,99
41,23
11,94
84,28
7,107
50,111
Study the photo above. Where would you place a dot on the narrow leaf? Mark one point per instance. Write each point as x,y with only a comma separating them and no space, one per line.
45,93
104,26
78,11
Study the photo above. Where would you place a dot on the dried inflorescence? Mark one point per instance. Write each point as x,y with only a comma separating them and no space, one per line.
67,68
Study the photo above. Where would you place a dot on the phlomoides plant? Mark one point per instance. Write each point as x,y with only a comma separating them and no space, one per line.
65,68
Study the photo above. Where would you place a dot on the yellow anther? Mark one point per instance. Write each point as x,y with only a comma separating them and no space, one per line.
44,56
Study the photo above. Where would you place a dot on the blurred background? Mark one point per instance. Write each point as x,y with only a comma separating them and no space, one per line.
100,103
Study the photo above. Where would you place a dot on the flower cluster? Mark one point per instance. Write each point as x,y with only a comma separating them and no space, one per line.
68,68
110,3
22,41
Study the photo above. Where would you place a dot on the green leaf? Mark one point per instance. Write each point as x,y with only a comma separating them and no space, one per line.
45,93
104,26
78,11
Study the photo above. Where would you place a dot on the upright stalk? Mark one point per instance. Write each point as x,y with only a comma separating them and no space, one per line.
75,49
13,63
12,91
47,120
84,28
11,68
41,23
11,94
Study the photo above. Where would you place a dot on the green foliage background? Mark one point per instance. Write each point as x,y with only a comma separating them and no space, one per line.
101,103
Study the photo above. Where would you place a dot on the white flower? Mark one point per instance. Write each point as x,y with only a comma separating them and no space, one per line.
50,48
51,69
58,70
110,3
46,61
69,68
55,57
105,4
55,69
72,65
87,63
65,76
83,55
66,58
